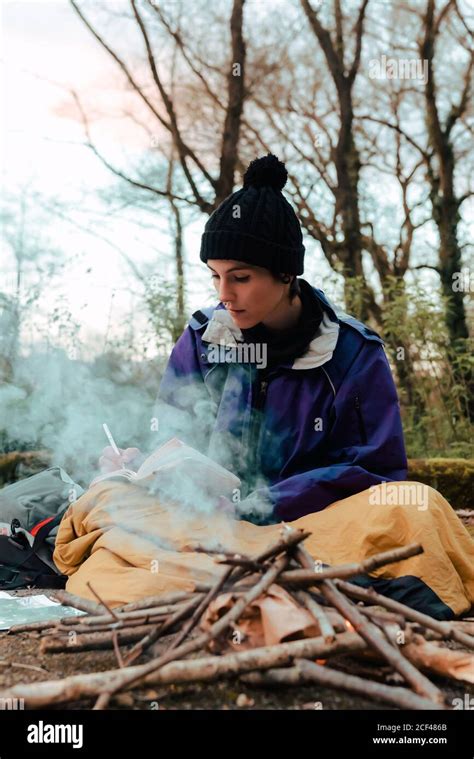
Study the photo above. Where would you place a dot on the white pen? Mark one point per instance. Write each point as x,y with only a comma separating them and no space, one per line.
112,441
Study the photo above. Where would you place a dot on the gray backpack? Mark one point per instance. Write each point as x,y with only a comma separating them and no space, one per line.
30,512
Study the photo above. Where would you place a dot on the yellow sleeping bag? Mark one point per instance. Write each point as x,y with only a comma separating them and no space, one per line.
128,544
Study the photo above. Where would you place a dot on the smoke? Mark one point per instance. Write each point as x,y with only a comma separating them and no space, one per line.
214,424
59,404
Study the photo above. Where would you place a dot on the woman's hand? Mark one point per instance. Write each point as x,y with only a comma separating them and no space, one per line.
129,458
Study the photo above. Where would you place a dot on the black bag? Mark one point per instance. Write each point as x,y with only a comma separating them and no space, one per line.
30,513
21,565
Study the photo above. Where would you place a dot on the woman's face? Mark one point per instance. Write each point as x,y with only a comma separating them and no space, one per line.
249,293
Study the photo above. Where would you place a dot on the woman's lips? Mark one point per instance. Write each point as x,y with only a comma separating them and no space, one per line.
236,311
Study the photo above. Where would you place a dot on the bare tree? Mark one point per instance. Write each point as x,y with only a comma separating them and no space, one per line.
34,262
172,116
271,92
206,191
345,153
442,165
438,152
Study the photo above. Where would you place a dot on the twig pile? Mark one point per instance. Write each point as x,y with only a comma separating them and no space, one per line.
351,621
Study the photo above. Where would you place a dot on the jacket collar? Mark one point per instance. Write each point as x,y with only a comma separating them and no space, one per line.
222,330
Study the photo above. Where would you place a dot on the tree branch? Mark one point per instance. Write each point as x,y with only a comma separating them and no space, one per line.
183,150
235,103
359,30
117,172
397,128
458,109
205,206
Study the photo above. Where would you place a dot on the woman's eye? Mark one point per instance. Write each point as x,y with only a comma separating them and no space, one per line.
237,279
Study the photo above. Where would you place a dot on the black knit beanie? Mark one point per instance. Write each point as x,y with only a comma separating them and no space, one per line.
257,224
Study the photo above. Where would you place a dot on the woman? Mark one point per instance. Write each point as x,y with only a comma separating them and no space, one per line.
299,402
296,399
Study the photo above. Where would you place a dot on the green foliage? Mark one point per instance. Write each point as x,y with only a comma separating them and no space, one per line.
430,372
165,318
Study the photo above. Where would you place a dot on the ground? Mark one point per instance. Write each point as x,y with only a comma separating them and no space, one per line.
23,649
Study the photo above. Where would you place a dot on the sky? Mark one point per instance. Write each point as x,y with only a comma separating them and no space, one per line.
46,51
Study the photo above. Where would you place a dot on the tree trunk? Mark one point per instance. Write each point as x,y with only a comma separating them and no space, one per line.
444,202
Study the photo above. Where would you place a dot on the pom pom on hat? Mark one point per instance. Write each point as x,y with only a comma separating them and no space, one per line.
266,172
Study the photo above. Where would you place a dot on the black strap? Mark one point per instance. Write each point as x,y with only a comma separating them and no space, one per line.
44,531
200,317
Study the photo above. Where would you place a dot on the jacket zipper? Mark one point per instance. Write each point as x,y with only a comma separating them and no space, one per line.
362,429
255,426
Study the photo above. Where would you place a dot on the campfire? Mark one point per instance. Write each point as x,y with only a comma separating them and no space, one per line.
353,628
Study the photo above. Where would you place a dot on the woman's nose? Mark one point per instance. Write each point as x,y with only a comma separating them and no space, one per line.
225,292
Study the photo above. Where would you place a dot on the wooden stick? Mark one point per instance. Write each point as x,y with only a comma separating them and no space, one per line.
308,576
62,630
154,611
372,635
306,671
132,631
198,612
39,626
235,559
325,627
4,663
111,612
241,562
446,629
93,620
217,628
171,598
457,665
205,669
463,626
118,653
288,540
383,616
92,641
336,620
159,630
83,604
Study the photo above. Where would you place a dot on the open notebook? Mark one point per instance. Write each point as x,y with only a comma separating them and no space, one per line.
176,455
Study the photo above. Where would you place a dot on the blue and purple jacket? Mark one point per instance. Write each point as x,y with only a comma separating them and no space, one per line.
317,429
